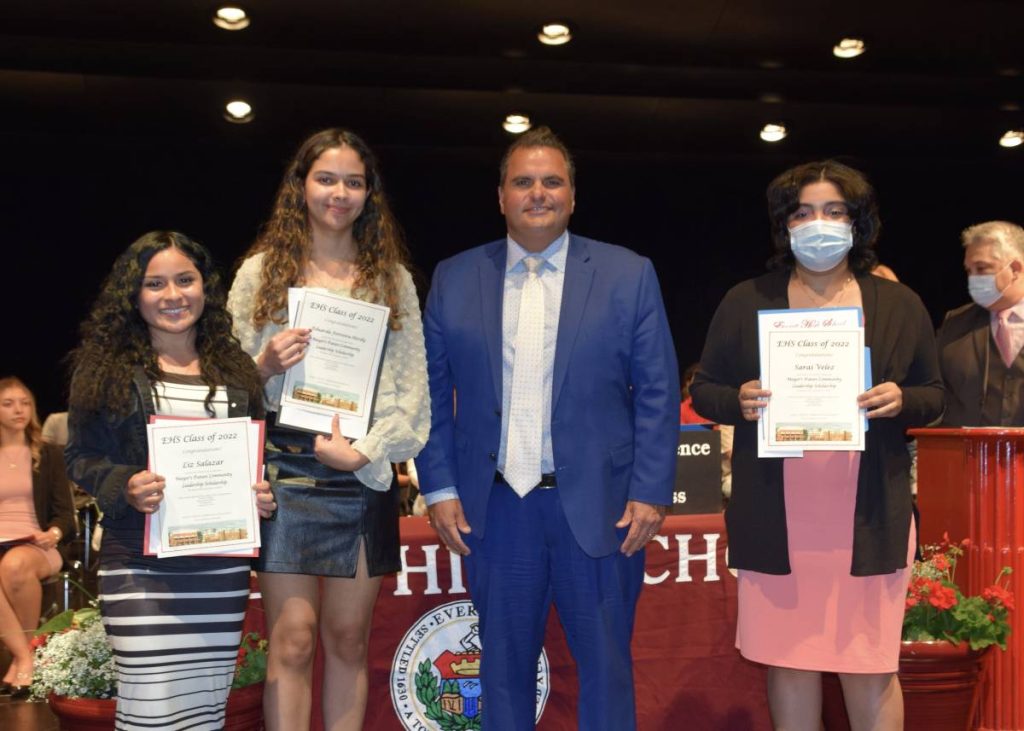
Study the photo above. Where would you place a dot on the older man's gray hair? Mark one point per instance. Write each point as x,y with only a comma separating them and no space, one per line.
1007,238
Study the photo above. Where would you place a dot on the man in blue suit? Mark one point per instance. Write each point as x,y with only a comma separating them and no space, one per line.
554,394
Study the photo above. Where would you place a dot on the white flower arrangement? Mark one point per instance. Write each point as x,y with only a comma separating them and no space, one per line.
74,661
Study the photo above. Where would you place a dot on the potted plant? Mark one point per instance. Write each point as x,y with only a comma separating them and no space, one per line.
945,638
938,611
76,673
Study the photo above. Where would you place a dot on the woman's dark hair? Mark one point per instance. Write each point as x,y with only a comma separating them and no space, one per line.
686,380
784,199
115,338
285,239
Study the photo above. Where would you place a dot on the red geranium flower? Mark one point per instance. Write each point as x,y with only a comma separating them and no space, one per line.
996,593
38,641
942,597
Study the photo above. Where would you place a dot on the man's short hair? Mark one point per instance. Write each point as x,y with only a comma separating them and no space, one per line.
1007,238
539,137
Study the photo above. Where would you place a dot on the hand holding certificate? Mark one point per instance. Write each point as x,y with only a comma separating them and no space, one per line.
814,364
339,373
209,467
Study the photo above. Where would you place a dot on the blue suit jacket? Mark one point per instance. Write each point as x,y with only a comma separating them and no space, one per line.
615,400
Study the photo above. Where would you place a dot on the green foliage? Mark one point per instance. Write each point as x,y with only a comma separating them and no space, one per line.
68,619
251,665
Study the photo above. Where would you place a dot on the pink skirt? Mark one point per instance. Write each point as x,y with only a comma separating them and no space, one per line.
819,617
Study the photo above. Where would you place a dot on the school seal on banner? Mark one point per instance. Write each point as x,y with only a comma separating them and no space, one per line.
435,674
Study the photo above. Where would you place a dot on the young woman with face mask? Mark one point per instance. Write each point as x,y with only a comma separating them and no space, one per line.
823,543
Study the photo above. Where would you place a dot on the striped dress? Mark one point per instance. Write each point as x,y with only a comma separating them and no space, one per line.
174,623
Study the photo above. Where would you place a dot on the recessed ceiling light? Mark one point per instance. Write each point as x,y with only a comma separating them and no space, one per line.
1012,138
554,34
516,123
773,132
238,111
231,17
849,48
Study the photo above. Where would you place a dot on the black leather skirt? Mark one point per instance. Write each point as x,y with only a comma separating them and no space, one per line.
323,515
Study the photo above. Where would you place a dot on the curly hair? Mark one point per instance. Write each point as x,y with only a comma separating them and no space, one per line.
285,239
115,338
784,198
33,430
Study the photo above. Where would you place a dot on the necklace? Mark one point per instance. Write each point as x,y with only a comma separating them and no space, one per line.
821,300
12,461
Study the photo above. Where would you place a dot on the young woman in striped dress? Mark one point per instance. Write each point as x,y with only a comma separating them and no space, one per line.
159,341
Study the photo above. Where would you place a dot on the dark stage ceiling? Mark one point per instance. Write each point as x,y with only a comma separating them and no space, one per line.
111,124
657,77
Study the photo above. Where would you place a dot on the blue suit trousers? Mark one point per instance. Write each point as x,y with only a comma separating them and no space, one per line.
528,559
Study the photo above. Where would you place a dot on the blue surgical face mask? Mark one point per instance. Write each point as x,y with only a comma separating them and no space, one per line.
821,245
983,288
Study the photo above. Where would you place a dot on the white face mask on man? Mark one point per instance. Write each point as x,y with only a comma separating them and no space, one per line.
821,245
983,288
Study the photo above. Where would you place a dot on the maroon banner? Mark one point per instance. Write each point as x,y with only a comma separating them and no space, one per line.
425,650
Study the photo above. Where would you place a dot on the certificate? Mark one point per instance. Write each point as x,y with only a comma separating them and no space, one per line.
813,362
209,466
339,373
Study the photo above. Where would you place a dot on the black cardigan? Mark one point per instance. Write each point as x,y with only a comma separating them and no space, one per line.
105,450
899,332
51,493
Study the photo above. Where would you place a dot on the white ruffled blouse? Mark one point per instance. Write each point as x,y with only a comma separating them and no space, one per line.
401,413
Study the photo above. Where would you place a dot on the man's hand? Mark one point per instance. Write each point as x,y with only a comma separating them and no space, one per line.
450,522
644,521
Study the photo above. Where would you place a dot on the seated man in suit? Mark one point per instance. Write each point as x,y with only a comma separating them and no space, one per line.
555,469
980,343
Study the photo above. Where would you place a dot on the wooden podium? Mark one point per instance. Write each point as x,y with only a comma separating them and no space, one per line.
970,483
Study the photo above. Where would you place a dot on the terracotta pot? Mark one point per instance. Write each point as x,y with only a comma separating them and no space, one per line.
940,683
83,714
244,711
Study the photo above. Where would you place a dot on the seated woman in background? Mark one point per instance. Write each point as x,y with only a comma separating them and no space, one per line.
35,516
158,341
